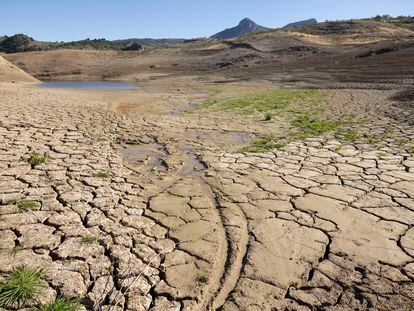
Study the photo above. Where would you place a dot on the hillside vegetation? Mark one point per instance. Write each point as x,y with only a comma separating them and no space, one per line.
23,43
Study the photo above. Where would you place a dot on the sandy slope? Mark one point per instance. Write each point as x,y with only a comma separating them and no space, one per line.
12,73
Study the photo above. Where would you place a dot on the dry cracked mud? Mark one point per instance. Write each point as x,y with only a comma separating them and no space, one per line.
150,211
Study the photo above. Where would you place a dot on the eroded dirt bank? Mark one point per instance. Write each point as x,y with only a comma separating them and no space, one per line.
149,211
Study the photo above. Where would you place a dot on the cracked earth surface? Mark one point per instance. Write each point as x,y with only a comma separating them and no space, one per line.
183,223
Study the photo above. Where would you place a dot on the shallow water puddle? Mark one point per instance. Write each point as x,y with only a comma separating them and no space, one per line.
149,154
191,164
89,85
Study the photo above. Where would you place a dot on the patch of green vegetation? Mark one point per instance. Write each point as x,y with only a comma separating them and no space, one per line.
28,205
95,44
202,276
263,101
262,146
268,116
90,239
36,159
382,154
60,304
22,284
12,202
102,174
307,126
410,150
351,135
347,135
372,140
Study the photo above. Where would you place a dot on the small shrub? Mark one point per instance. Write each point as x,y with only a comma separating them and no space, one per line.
60,304
202,276
22,284
36,159
268,116
102,174
90,239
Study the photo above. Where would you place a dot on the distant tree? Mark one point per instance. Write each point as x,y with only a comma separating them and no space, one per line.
133,47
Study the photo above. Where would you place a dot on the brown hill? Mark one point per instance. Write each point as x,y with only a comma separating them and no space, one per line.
245,26
355,52
12,73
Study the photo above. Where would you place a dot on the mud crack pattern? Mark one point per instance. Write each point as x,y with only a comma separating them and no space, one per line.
182,225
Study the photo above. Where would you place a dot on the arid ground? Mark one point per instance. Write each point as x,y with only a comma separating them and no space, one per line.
271,172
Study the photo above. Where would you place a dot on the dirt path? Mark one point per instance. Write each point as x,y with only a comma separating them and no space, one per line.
154,212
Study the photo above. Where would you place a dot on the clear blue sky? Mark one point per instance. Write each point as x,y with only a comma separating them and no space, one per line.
66,20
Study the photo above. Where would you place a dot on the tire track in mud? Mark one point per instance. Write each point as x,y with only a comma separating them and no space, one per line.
234,262
218,272
190,168
236,235
233,243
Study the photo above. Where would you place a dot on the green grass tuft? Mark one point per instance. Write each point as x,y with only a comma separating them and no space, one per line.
307,126
372,140
60,304
262,146
202,276
90,239
21,285
102,174
268,116
351,135
36,159
12,202
28,205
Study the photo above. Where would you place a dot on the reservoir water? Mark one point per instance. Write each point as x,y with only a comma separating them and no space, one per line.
89,85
